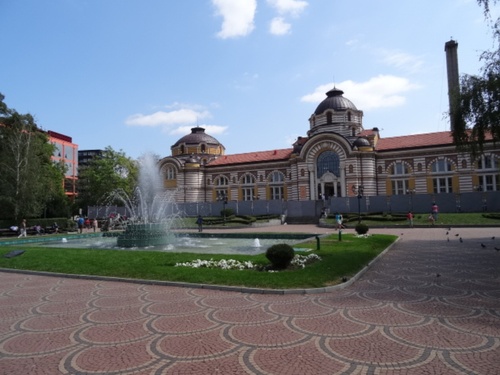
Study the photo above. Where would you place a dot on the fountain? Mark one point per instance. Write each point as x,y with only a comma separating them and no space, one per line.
151,209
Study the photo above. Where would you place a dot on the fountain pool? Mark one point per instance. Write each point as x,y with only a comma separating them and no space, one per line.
181,244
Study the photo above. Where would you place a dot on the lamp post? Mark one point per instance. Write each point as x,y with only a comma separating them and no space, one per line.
358,190
222,197
411,192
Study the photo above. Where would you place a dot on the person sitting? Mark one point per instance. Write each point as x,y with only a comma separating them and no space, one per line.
55,228
38,229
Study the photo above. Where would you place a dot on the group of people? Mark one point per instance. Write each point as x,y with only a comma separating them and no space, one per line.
23,230
87,224
433,216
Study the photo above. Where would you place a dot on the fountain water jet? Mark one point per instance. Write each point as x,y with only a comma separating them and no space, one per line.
152,210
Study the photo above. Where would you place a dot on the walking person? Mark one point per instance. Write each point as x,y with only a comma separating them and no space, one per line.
435,210
338,221
409,216
80,222
199,221
22,229
95,224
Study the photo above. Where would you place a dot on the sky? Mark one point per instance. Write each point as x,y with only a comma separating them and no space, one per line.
137,75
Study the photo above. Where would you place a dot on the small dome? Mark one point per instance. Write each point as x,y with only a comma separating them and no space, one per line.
361,142
196,137
335,101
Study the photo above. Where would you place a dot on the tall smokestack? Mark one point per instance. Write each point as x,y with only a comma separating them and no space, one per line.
451,48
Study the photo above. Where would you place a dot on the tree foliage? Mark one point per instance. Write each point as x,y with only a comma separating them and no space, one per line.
477,115
110,171
30,180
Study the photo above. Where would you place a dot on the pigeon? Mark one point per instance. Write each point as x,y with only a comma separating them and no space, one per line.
497,249
493,237
483,245
449,228
438,275
447,232
456,235
448,239
461,239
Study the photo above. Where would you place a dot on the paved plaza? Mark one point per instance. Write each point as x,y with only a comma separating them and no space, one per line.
429,305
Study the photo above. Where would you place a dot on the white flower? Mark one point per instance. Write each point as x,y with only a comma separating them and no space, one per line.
232,264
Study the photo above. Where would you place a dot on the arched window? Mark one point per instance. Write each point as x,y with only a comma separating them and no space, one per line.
442,179
222,181
203,148
276,186
248,182
170,173
399,178
489,177
328,161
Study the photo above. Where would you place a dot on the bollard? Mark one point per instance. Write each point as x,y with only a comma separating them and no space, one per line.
340,235
317,243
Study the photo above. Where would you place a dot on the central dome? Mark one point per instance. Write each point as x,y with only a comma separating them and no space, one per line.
334,101
197,136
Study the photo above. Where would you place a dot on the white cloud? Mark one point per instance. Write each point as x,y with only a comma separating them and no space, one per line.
209,129
381,91
238,17
163,118
402,60
278,26
291,7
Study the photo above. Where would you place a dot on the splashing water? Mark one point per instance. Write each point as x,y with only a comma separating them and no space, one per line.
150,211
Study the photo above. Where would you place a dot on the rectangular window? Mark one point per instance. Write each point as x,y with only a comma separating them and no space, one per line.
247,194
442,185
277,192
489,182
399,187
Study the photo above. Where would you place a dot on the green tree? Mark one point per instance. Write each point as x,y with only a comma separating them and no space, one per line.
110,171
29,178
477,106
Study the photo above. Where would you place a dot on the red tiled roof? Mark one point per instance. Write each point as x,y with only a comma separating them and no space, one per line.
415,141
252,157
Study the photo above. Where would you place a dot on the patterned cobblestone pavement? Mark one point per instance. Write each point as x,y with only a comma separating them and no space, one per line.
430,305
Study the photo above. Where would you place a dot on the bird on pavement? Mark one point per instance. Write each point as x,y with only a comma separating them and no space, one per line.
447,232
483,245
497,249
461,239
493,237
456,235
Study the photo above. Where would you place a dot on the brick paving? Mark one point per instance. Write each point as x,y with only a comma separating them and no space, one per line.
430,305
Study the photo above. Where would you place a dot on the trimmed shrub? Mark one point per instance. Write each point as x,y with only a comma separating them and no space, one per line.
280,255
361,228
227,212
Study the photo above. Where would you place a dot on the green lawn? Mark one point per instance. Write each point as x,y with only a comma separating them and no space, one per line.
445,219
339,259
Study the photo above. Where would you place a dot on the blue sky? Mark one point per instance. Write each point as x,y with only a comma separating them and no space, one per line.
137,75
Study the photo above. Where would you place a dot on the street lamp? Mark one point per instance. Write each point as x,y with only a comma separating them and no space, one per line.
222,197
358,190
411,192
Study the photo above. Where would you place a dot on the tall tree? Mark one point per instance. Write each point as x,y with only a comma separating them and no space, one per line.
477,115
29,178
106,173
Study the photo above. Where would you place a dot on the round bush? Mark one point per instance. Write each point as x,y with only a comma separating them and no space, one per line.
280,255
361,228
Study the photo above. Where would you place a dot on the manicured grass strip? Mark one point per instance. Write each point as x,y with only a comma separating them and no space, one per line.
339,259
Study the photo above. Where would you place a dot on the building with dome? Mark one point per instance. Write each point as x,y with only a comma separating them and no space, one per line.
336,162
338,166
